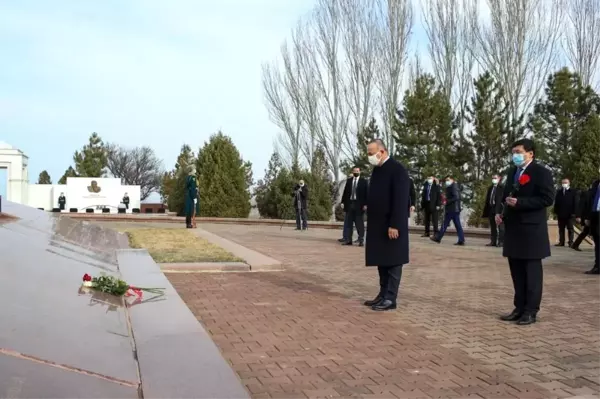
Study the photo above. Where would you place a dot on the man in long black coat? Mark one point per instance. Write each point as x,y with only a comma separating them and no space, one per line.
431,200
387,224
591,218
529,190
493,197
300,195
565,209
354,203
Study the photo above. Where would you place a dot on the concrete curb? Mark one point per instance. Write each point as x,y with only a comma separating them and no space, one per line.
255,260
207,267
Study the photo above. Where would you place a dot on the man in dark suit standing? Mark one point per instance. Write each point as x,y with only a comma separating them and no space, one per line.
528,192
493,197
581,210
565,208
430,203
453,209
387,222
125,201
354,202
591,217
62,201
300,195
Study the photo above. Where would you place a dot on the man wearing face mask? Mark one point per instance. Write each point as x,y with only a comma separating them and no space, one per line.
528,192
591,218
354,203
387,224
493,197
430,203
300,195
565,208
453,209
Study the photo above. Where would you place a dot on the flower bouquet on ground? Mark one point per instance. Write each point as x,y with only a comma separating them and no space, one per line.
114,286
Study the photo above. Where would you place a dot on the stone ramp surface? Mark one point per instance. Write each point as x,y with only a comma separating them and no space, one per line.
58,340
50,331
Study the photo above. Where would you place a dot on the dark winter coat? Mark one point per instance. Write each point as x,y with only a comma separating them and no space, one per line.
190,195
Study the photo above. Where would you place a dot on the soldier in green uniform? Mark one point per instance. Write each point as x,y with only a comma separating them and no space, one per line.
191,198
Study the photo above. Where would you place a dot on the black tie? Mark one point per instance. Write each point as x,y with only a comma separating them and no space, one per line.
354,189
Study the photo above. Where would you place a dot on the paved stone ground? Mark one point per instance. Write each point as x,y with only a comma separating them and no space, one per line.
304,333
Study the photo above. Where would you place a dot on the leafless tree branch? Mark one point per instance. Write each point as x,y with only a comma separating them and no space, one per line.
137,166
582,38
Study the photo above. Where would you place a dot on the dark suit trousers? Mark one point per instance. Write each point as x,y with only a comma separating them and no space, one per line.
188,220
355,218
389,281
301,216
430,217
584,233
594,230
347,227
528,279
568,224
497,232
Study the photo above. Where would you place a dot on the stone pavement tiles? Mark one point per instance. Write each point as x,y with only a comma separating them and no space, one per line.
304,333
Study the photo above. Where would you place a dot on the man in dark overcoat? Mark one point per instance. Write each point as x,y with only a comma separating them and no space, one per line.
566,204
431,200
529,190
493,197
354,203
62,200
387,224
590,217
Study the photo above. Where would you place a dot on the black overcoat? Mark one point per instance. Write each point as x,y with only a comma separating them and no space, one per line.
487,208
526,224
362,189
566,203
387,206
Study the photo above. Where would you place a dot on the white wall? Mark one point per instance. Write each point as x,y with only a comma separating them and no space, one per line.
15,163
111,193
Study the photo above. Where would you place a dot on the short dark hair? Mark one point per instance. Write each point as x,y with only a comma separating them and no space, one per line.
379,143
528,145
449,177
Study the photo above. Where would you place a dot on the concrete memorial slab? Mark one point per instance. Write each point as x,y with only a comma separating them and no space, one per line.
57,340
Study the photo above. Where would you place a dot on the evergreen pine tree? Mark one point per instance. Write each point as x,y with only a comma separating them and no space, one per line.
70,172
91,161
559,120
44,178
423,131
224,179
584,160
267,198
320,186
173,183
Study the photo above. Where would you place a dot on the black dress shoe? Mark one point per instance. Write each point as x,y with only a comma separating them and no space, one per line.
425,235
347,243
435,239
526,319
384,305
460,243
594,270
342,240
361,244
500,244
512,316
559,244
490,245
576,249
373,301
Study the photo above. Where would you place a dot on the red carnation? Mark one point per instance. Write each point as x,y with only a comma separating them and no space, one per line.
524,179
87,277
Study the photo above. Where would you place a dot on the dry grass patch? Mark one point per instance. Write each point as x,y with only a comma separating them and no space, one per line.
177,246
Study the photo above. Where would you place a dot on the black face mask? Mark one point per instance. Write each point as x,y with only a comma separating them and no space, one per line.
355,174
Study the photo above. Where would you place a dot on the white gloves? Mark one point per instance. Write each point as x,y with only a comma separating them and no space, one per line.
195,201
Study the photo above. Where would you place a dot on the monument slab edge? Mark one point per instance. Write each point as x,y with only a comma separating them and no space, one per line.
176,356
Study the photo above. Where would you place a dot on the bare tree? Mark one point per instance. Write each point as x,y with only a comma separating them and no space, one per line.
465,61
396,21
442,18
582,38
518,46
137,166
325,58
360,30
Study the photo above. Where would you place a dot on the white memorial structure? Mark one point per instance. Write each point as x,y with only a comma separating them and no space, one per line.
81,193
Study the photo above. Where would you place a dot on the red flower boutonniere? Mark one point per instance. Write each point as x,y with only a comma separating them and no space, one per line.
524,179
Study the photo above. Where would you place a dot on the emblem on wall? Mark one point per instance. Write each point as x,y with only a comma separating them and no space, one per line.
94,187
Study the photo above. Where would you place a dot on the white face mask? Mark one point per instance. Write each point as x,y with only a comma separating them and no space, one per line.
429,181
301,184
373,160
565,186
494,181
448,183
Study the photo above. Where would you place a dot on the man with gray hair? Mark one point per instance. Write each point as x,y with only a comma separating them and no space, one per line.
387,224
